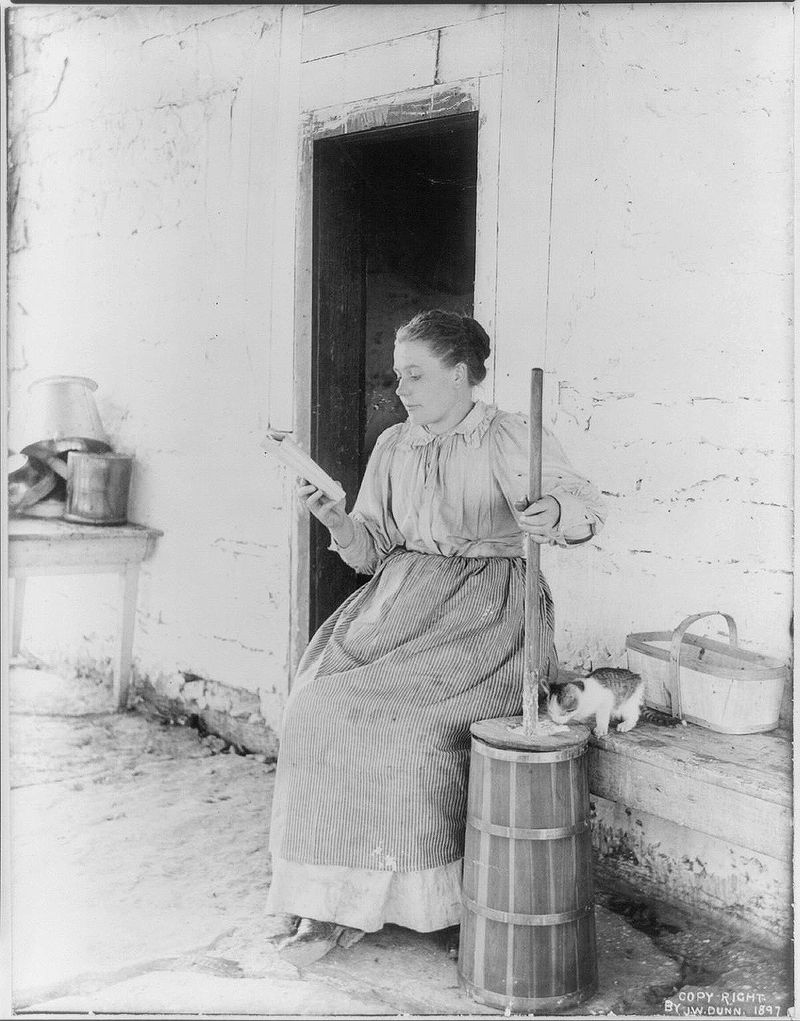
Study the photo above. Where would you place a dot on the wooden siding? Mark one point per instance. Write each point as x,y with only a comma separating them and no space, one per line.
343,28
284,195
372,71
526,161
473,48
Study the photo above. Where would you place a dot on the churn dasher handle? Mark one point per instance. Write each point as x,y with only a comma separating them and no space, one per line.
532,643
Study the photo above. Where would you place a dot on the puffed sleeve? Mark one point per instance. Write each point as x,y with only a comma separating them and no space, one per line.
376,533
583,510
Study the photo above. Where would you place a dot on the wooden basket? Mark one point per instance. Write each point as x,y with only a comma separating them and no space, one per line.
717,686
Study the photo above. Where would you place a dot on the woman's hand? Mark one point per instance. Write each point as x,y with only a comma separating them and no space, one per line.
540,518
330,512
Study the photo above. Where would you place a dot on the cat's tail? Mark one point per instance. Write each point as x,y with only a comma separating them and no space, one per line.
658,718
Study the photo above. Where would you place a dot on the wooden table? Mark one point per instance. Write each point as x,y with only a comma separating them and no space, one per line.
49,546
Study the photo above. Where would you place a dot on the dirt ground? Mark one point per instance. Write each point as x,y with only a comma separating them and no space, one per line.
139,874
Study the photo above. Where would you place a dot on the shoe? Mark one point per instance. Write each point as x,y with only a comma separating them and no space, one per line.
280,927
452,938
312,941
350,937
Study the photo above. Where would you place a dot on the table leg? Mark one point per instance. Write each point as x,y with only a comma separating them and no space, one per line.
122,671
19,609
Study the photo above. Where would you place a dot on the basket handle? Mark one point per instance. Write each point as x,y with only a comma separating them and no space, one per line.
677,641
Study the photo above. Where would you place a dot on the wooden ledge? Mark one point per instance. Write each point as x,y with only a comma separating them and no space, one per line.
22,527
757,764
737,788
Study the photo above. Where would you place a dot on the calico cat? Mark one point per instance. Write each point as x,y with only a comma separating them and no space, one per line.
608,693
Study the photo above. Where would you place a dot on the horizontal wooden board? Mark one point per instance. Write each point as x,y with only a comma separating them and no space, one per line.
758,764
471,50
29,556
53,546
345,27
373,71
47,529
744,890
670,789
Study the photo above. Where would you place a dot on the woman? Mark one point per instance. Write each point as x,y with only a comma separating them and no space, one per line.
369,809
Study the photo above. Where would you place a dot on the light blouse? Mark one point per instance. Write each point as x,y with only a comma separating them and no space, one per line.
453,493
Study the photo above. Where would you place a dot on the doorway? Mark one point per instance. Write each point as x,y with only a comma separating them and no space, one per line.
394,232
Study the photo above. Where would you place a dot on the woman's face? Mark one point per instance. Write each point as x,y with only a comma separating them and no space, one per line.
431,392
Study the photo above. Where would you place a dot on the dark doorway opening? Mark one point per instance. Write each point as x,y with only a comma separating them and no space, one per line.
394,233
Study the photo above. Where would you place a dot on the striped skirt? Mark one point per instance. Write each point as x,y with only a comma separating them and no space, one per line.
374,755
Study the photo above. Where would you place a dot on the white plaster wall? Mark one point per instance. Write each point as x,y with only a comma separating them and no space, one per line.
669,328
142,151
143,246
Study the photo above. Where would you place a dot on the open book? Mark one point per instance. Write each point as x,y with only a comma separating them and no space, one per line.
283,447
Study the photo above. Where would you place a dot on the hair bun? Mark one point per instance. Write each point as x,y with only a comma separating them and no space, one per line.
478,337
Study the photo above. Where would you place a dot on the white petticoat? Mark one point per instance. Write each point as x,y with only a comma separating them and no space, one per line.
364,899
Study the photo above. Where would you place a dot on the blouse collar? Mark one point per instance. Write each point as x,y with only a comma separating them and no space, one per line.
472,427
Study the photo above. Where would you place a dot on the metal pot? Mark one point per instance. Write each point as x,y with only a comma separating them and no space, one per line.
28,482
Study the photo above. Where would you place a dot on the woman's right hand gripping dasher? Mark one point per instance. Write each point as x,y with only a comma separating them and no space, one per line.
330,512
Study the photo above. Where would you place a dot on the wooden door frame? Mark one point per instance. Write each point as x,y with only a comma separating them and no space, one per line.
478,95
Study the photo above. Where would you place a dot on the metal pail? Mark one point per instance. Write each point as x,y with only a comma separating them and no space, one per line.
98,486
